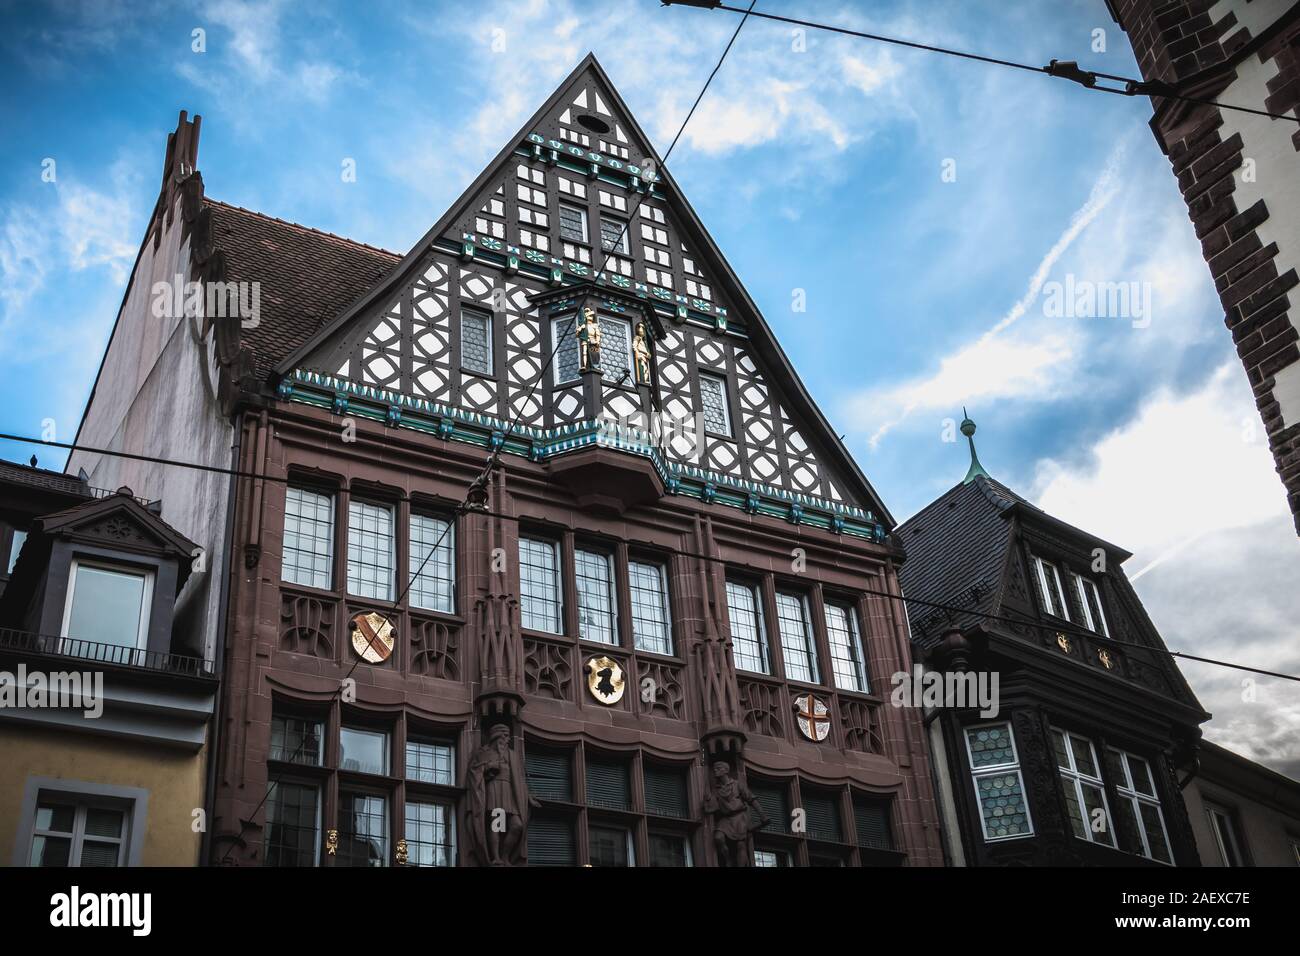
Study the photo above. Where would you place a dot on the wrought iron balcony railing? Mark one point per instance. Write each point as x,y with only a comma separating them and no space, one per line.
114,655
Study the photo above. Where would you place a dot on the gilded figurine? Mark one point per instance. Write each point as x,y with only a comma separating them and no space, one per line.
641,355
498,801
588,330
729,806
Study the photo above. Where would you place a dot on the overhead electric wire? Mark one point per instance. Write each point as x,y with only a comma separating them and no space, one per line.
952,609
1068,70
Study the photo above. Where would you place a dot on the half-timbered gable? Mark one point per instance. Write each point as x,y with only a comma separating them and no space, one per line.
575,213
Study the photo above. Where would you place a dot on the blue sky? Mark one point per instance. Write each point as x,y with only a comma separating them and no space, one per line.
923,205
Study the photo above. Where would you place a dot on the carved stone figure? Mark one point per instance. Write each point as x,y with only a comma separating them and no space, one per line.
497,804
728,805
588,340
641,355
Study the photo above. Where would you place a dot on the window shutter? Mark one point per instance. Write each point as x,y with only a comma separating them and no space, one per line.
823,817
772,798
548,774
871,820
608,785
550,842
665,792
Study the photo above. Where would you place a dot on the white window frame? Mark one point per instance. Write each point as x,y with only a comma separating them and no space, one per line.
726,401
146,601
1081,587
1073,776
760,626
807,653
622,247
491,358
1127,790
1040,566
997,770
1215,811
857,652
582,213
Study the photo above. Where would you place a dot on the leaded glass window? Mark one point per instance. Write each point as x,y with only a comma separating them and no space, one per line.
363,830
1139,804
613,235
370,550
573,223
476,341
1085,795
651,630
296,740
433,563
796,637
431,762
713,399
748,642
847,659
594,576
567,357
1094,617
430,834
308,556
615,349
999,785
292,822
539,585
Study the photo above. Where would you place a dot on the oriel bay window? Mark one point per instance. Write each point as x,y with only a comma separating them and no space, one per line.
1082,788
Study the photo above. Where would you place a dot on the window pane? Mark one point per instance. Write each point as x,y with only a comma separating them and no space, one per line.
594,579
104,823
433,578
608,846
370,550
1141,773
747,641
796,638
363,830
1153,827
429,839
770,858
1073,809
476,341
573,223
1002,805
1083,759
15,546
549,773
567,358
1099,823
296,740
290,826
539,586
431,762
363,751
613,235
713,399
668,850
96,854
308,538
106,609
650,627
56,818
846,648
51,851
615,349
990,746
1058,745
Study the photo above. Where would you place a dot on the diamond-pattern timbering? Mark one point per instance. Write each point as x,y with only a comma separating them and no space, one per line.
620,405
381,350
524,358
431,334
568,405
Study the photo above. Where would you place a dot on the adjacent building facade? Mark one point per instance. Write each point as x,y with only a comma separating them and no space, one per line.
1095,730
1240,176
1243,814
104,717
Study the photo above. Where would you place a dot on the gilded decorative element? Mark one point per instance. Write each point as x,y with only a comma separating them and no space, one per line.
372,637
605,680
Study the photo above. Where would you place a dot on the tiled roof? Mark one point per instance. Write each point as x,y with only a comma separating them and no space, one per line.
42,478
956,546
306,277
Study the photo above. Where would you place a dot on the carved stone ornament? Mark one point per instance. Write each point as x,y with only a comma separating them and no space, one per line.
497,801
728,805
641,355
605,680
588,332
813,717
372,637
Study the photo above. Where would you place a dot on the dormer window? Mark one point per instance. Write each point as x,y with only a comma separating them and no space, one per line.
107,608
1050,590
1094,618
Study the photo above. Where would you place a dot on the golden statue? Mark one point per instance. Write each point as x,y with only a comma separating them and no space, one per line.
588,330
641,355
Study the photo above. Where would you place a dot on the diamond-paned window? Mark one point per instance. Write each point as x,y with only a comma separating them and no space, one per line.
476,341
713,397
999,786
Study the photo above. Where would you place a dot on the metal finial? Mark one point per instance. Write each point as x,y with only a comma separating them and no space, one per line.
968,429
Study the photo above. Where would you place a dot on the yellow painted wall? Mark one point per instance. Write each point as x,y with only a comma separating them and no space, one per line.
173,778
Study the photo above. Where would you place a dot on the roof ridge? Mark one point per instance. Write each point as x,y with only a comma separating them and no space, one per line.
308,229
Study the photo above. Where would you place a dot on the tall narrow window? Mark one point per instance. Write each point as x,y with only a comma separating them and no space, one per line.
363,829
433,563
796,637
1085,795
15,548
1094,618
539,585
430,834
370,550
847,658
594,577
748,642
476,341
613,235
615,350
573,223
1138,803
713,400
999,786
308,539
1223,823
1050,590
106,615
651,630
292,825
564,339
